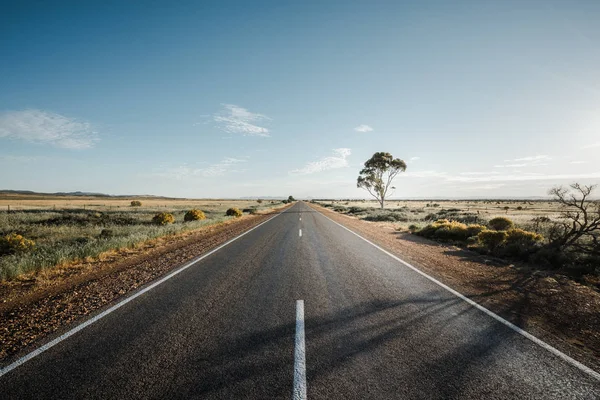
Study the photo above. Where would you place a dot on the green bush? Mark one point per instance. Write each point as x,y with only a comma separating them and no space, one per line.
430,217
520,244
549,258
472,240
500,224
356,210
136,203
520,236
163,218
194,215
234,212
450,230
413,228
475,229
14,243
492,239
386,216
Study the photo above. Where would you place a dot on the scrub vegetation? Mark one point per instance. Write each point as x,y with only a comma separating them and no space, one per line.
562,234
40,232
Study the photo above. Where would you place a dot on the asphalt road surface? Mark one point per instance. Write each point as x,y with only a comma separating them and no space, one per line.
225,328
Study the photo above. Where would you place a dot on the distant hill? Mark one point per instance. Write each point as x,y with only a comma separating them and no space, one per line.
13,193
53,194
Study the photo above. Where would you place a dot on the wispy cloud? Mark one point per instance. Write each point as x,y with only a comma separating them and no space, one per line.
496,177
42,127
414,158
363,128
479,173
578,162
337,160
531,158
522,177
591,145
236,119
530,161
182,172
488,186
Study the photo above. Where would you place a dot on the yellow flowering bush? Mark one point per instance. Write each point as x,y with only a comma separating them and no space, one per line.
163,218
194,215
234,212
15,243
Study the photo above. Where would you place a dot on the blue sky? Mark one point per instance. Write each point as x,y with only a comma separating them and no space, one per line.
232,99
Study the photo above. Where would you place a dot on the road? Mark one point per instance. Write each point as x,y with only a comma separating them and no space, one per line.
225,328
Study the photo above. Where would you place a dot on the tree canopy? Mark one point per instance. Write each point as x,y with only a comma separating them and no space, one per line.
377,175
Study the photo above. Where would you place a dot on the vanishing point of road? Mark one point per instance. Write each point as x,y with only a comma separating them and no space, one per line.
298,307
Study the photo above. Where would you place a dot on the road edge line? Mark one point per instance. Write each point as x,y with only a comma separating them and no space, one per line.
495,316
71,332
299,355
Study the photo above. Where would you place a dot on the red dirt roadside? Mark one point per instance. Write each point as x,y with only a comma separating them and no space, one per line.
554,308
40,305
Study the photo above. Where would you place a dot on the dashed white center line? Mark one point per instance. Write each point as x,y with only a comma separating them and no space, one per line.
300,219
299,355
300,233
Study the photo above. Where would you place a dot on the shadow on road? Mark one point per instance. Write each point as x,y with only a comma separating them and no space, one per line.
253,364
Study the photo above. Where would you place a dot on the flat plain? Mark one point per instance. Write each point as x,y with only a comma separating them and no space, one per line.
422,212
69,229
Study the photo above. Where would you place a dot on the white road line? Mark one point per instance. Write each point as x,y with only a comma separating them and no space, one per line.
299,355
103,314
498,318
300,233
300,219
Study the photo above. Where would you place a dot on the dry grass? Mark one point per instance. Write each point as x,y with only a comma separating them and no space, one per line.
417,210
72,229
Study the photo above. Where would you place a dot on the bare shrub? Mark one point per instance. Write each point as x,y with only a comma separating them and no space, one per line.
579,228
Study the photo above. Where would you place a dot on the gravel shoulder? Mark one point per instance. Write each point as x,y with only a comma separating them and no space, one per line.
41,306
554,308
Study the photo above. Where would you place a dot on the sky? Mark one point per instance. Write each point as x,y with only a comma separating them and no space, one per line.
232,99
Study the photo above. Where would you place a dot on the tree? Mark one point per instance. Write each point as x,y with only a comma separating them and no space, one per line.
579,229
291,199
377,175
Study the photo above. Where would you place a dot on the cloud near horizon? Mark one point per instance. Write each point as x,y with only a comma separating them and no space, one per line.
337,160
43,127
236,119
530,161
591,145
363,128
